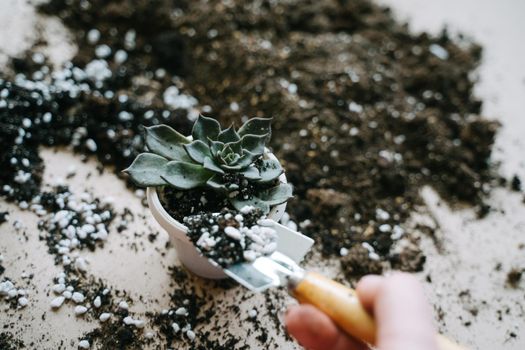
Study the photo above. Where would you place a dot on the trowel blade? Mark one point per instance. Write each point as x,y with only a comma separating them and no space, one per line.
264,272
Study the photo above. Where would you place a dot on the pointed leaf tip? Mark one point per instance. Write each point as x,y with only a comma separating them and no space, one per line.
146,170
206,128
257,126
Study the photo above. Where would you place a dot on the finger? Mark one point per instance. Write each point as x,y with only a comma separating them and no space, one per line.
367,289
315,330
403,316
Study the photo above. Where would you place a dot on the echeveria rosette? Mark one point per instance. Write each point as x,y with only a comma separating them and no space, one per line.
222,160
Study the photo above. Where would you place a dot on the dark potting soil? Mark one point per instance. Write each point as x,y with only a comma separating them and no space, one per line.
202,305
3,217
514,277
180,204
365,113
9,342
361,107
515,183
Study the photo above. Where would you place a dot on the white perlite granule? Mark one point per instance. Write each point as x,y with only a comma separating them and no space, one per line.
84,344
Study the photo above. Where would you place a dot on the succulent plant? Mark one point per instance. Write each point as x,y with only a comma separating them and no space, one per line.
227,161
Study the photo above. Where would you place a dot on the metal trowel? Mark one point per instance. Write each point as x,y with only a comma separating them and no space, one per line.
339,302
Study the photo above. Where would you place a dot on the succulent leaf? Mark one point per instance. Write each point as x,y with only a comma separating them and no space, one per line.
257,126
197,151
210,165
251,173
216,183
146,170
232,168
184,175
270,170
246,159
205,128
254,143
216,147
254,201
165,141
277,195
228,135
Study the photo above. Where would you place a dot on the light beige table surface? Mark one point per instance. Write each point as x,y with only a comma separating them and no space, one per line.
472,248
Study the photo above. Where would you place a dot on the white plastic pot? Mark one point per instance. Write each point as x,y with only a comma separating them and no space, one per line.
186,251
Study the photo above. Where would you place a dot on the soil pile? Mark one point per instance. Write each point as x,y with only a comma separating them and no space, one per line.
362,107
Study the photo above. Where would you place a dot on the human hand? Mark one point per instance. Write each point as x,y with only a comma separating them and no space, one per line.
401,312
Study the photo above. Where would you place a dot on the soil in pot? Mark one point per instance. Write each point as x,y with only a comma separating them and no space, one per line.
231,236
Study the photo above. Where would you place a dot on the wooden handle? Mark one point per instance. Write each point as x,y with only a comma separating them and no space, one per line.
342,305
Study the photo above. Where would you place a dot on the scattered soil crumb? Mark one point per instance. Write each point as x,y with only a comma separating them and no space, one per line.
514,277
9,342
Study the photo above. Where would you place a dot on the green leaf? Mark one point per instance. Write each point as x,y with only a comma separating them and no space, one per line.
197,151
210,165
216,183
277,195
228,135
235,147
165,141
228,157
270,170
205,128
146,170
251,173
246,159
231,168
185,176
215,147
254,143
254,202
257,126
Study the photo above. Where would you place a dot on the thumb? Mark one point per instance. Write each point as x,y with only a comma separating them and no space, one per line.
402,314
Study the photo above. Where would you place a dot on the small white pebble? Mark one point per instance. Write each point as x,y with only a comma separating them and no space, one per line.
121,56
57,302
385,228
129,320
249,255
83,344
343,251
190,334
91,145
78,297
97,302
175,326
232,232
23,301
149,335
181,311
123,305
252,313
265,222
104,316
102,51
80,310
93,36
